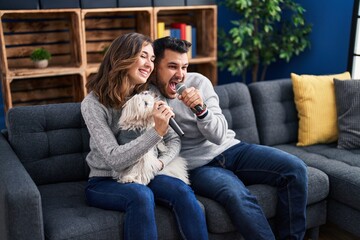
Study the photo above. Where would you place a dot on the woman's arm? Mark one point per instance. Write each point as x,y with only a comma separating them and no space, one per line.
102,127
172,147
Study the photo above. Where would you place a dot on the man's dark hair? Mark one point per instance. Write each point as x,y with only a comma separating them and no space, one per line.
174,44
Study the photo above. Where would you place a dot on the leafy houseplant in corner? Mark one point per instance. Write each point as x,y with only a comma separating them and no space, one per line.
266,31
40,57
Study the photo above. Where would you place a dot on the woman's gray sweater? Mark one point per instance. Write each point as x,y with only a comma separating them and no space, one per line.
106,154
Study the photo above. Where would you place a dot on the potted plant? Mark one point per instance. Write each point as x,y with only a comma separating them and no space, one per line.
104,50
40,57
266,31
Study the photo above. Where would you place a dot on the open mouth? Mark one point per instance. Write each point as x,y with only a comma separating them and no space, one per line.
172,86
143,72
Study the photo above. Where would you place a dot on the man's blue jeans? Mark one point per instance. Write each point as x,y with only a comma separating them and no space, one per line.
225,178
137,201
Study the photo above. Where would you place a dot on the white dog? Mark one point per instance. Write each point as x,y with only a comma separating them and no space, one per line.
137,115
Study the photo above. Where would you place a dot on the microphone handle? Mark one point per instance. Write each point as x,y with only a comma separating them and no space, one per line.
173,124
180,87
198,109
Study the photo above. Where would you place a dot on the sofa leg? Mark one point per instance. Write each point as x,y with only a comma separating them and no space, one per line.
313,233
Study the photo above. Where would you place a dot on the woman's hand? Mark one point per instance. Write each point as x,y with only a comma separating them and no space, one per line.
161,114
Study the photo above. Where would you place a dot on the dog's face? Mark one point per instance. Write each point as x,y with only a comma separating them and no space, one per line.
137,112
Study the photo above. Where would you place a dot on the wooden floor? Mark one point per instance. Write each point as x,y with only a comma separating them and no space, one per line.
331,232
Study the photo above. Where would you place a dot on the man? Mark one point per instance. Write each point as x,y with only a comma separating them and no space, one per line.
221,165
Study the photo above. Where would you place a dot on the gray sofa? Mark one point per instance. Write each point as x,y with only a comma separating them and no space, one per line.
277,122
43,171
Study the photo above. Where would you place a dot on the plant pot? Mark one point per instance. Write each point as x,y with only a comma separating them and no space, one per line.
41,63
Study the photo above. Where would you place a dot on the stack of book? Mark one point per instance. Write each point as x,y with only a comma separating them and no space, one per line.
179,30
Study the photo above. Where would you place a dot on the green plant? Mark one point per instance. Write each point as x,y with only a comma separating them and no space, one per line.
40,54
268,30
105,50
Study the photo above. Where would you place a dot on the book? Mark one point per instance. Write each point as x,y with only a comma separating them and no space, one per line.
167,32
160,29
175,33
193,42
182,27
189,39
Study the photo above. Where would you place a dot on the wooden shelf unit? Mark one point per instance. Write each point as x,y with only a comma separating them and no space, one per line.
204,19
47,89
77,38
21,31
101,26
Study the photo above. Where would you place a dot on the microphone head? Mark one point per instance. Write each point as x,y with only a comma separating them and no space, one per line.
180,87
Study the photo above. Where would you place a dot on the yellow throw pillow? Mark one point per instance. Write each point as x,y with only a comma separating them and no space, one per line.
316,106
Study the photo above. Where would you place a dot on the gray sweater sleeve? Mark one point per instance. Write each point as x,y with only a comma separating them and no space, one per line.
171,139
204,138
102,125
214,126
173,145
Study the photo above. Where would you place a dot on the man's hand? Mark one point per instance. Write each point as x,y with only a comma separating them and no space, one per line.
191,97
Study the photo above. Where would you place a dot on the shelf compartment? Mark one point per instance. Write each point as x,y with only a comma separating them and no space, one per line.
58,31
203,18
102,26
46,90
208,69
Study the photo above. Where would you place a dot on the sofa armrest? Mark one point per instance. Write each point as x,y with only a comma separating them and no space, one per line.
20,200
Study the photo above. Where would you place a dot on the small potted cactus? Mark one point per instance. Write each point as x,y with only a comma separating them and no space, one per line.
40,57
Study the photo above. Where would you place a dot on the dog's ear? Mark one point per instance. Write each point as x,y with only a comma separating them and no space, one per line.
137,112
130,107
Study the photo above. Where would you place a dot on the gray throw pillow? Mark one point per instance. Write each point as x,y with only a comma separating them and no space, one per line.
347,96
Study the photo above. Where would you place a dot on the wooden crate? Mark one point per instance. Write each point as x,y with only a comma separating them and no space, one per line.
204,19
58,31
102,26
208,69
77,38
46,90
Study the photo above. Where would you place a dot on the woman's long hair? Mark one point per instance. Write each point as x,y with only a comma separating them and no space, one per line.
111,84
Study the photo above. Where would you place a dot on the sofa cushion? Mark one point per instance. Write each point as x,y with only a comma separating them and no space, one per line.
67,216
275,111
344,217
235,102
266,196
51,141
315,102
342,167
347,95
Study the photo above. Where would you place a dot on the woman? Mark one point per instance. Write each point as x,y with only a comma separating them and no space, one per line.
123,72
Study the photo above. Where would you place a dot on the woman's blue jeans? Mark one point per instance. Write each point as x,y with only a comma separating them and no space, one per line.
225,178
138,202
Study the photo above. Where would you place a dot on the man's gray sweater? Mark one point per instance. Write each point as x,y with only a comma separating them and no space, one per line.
204,138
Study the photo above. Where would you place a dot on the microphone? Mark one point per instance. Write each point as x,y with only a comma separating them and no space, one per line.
173,124
180,87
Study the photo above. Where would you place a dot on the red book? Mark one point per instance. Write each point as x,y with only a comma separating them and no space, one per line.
182,27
